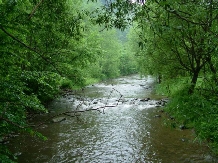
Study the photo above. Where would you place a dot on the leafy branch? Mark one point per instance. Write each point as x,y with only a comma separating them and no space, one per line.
35,8
30,48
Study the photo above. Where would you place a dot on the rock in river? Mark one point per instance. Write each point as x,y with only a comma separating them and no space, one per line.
145,99
58,119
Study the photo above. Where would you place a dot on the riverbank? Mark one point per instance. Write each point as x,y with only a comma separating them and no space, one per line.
197,111
122,125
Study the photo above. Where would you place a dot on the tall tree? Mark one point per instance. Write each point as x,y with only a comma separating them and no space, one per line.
178,38
41,43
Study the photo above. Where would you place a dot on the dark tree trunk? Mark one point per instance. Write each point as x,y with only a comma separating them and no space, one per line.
159,78
193,81
213,70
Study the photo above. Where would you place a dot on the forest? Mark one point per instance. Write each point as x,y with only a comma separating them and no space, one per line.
49,46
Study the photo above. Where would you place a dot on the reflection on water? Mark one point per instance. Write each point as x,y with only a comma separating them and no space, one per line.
129,132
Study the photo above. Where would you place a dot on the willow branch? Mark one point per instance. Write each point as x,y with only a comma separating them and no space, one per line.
35,8
11,122
30,48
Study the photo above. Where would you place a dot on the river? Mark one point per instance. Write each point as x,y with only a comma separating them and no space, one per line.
124,126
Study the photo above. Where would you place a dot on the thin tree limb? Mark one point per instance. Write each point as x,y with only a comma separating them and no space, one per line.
30,48
76,112
35,8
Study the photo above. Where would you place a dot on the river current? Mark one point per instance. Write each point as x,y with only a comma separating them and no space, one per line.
124,126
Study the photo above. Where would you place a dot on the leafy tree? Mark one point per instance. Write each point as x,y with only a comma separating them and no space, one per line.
42,43
128,58
177,40
112,47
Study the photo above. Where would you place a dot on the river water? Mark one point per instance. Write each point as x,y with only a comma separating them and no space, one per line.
121,128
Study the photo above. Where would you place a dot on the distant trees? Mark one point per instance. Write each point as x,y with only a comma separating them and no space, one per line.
115,58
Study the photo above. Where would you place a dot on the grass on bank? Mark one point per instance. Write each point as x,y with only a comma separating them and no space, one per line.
68,84
198,111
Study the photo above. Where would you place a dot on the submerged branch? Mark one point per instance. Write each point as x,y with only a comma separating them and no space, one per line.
77,111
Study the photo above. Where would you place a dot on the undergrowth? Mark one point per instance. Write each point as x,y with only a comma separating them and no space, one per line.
198,110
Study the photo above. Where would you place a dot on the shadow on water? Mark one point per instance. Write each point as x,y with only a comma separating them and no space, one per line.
130,132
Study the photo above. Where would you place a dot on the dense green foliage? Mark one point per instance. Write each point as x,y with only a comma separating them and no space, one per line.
180,41
198,110
47,46
51,45
36,50
114,59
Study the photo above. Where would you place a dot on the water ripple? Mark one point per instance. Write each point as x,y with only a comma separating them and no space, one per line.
127,133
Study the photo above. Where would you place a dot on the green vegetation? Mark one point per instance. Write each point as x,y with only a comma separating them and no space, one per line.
49,45
197,110
177,42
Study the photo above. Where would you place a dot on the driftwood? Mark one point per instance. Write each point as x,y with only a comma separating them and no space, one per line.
77,112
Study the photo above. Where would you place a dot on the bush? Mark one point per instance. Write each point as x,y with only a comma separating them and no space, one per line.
66,84
45,85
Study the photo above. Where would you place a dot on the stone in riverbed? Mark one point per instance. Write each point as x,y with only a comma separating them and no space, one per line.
157,116
95,102
58,119
145,99
182,127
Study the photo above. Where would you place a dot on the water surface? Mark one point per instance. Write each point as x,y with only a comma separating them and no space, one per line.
127,132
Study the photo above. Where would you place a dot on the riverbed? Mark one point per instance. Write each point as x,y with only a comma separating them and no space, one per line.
118,121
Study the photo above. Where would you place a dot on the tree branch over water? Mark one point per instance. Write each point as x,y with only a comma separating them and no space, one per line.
40,54
77,111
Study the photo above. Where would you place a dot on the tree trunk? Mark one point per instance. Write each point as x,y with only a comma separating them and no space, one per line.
159,78
194,81
213,70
